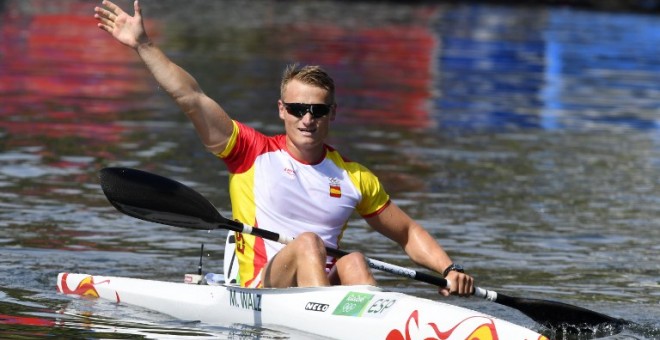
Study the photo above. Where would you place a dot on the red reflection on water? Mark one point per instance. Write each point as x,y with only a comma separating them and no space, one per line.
6,319
384,74
60,76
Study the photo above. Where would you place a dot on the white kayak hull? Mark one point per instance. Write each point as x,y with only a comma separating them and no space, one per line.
342,312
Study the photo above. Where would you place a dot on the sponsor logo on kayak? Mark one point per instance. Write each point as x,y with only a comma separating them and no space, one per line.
353,304
86,286
380,307
316,307
363,305
245,300
472,327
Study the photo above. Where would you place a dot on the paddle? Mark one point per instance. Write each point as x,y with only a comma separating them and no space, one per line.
154,198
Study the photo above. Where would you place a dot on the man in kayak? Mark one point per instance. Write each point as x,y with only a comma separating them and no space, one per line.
293,183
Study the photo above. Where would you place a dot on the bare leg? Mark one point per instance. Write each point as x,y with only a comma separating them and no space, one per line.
352,269
300,263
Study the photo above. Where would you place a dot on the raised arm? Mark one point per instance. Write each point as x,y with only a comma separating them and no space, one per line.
420,246
212,123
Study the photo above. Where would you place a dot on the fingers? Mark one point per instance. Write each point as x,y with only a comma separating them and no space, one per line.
104,27
128,30
112,7
103,18
444,291
107,16
105,23
137,9
110,13
464,285
461,284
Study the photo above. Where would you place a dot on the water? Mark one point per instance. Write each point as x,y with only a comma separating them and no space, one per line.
526,139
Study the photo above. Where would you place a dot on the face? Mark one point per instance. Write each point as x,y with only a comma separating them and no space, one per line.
306,135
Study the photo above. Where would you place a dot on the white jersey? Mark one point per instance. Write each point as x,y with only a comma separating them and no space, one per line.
271,189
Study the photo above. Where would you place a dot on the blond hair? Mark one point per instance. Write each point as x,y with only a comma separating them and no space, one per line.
311,75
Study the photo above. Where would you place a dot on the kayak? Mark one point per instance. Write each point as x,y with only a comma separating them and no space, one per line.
341,312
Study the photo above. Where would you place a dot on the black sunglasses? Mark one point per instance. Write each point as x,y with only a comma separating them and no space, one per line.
299,109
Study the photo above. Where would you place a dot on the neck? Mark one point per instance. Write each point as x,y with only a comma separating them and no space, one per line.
311,154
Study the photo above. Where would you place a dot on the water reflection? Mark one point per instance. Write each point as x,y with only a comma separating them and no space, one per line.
62,91
534,70
66,86
382,75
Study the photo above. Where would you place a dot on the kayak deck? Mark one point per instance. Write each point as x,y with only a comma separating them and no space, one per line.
342,312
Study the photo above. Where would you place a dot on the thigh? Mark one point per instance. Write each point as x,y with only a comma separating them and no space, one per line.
280,271
300,263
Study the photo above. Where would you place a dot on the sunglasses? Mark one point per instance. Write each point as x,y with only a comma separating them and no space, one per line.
299,110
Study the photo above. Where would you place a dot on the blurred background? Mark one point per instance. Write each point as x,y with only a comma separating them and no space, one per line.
649,6
524,135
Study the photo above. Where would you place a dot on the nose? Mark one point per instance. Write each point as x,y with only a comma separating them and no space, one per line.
308,118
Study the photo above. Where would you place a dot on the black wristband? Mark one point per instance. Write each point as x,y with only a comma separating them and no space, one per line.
453,267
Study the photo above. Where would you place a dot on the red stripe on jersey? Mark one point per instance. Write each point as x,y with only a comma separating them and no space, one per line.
379,210
249,147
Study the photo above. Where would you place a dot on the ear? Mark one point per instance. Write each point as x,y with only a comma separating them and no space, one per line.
281,109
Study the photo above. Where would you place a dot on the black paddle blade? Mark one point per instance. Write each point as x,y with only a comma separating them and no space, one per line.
564,317
155,198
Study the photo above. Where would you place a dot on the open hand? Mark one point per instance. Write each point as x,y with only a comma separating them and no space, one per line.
128,30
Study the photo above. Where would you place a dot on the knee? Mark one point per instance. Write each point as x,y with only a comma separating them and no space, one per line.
310,243
353,261
353,269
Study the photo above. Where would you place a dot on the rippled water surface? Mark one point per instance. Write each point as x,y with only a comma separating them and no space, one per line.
526,139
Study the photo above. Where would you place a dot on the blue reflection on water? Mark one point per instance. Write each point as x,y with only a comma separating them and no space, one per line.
556,69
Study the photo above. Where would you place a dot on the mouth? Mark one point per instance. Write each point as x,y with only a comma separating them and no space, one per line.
307,131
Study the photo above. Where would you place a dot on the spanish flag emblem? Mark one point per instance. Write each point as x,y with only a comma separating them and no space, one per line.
335,191
335,187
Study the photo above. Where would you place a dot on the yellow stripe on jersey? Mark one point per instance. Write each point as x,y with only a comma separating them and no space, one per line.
231,142
366,182
241,194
